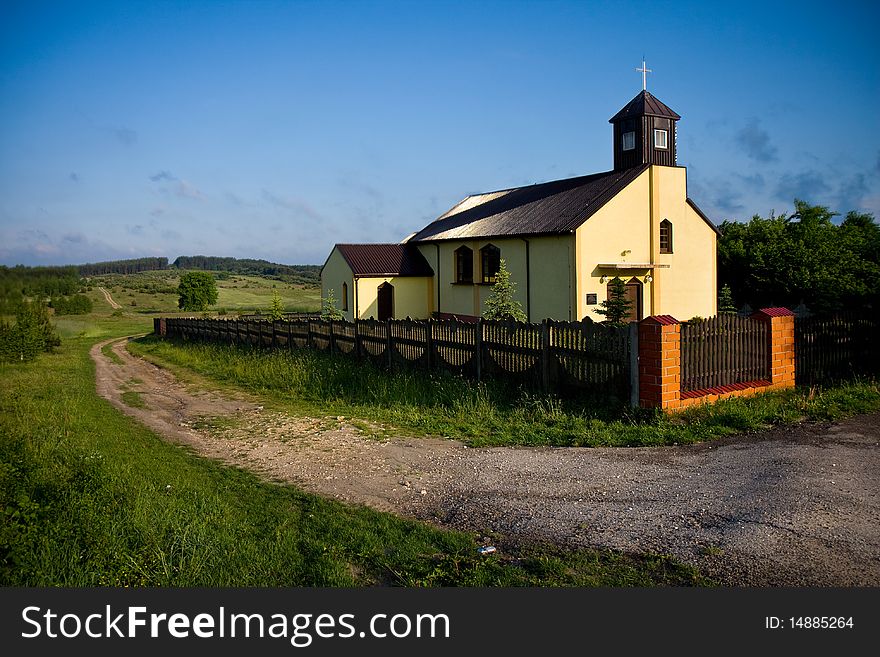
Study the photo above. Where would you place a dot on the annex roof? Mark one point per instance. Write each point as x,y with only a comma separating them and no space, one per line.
385,260
644,104
559,206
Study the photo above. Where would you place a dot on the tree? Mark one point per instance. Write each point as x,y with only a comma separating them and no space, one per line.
616,308
197,291
802,257
31,333
725,301
276,310
328,307
501,304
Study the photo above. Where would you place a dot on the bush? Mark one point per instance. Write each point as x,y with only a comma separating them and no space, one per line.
29,335
197,291
78,304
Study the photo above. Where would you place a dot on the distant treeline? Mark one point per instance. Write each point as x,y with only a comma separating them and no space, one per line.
132,266
306,274
19,282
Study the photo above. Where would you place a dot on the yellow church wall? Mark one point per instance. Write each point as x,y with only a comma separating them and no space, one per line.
336,272
616,233
627,230
689,286
550,262
412,296
469,298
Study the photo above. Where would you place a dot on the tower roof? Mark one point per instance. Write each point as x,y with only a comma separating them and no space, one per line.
644,104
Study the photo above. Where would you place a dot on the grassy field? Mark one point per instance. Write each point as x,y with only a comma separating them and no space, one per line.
90,497
155,292
312,383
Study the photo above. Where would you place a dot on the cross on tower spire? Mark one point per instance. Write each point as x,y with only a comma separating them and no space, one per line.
644,71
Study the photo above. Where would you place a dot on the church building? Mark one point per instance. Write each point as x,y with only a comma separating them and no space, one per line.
563,241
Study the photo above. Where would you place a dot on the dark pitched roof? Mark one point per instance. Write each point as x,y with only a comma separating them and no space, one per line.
385,260
644,104
558,206
703,216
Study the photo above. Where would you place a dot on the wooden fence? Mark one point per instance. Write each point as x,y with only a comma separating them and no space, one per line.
574,357
836,347
722,351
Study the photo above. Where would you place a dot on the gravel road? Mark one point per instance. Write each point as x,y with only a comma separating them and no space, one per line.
795,506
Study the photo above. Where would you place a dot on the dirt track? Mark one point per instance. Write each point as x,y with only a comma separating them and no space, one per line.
794,506
109,299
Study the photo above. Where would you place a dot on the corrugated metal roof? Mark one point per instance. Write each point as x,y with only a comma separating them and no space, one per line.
558,206
385,260
644,104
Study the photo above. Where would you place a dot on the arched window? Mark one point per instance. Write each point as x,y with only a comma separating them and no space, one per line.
345,296
666,236
490,258
464,265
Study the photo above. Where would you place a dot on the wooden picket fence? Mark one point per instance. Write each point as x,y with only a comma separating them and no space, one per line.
574,357
835,347
723,350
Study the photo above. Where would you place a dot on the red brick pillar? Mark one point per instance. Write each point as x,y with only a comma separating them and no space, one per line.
780,329
660,362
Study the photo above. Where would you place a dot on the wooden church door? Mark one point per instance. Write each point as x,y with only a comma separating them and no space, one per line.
634,296
386,301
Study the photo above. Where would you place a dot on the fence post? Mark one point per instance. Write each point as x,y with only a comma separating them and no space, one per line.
634,364
357,338
659,362
428,344
780,335
545,356
388,342
330,339
478,348
309,332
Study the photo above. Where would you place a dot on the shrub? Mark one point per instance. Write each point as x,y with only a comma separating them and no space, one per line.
197,291
78,304
31,333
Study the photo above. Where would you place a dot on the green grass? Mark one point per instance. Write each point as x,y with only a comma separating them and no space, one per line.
89,497
133,399
152,292
311,383
107,350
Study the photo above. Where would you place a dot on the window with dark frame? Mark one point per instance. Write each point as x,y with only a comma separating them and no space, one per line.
629,140
490,256
464,265
345,296
666,236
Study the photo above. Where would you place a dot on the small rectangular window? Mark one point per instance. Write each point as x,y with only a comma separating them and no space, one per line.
629,141
660,139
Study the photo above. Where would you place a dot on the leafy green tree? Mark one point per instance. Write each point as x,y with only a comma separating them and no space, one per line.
725,301
802,257
328,307
501,304
616,308
197,290
276,310
31,333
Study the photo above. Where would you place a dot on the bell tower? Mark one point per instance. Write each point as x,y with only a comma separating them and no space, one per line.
644,131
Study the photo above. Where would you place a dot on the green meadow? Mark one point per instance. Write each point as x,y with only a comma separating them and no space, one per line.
89,497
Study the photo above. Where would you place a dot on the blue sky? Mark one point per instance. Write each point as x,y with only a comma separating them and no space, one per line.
276,129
